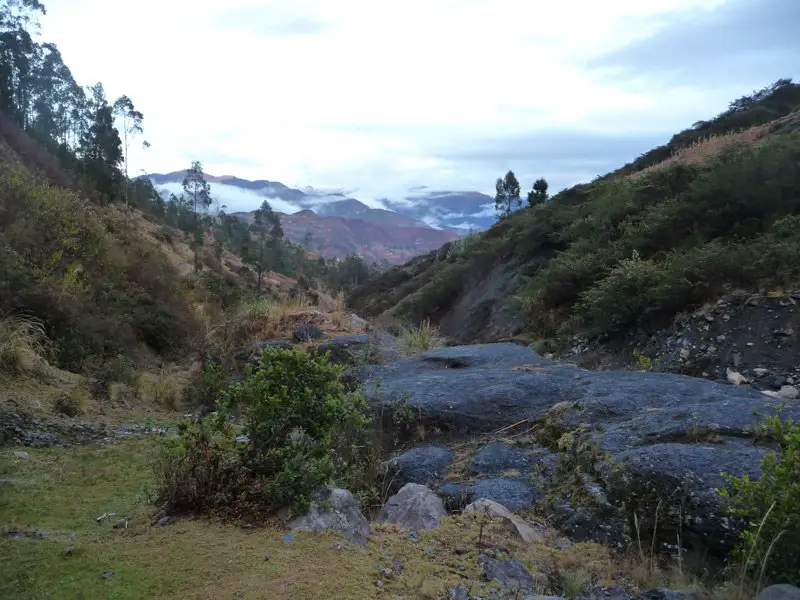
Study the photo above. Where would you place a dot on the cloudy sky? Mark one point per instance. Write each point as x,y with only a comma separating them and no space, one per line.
379,97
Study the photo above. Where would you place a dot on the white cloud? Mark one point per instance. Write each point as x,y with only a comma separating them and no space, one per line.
235,199
357,93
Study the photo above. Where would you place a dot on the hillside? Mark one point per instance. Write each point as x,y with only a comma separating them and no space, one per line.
713,210
338,237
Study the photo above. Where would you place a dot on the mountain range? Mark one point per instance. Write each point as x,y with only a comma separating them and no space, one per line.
334,224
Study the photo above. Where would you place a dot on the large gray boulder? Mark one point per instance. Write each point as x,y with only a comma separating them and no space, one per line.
414,507
652,445
346,349
337,510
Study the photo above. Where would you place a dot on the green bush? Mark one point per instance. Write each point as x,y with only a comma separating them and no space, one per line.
303,431
770,507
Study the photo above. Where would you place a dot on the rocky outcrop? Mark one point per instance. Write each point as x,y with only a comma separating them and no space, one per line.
335,509
651,444
413,507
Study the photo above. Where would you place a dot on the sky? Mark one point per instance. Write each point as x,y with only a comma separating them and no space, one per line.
377,97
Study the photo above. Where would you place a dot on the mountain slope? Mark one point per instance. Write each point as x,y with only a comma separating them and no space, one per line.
716,208
337,237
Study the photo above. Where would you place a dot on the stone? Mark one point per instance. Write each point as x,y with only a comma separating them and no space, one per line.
121,524
108,574
345,349
509,573
495,459
513,493
19,455
424,465
519,527
415,507
781,591
788,392
760,371
685,353
164,521
735,377
338,510
458,593
665,594
69,551
308,332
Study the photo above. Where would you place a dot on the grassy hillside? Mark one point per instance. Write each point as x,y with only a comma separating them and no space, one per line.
716,208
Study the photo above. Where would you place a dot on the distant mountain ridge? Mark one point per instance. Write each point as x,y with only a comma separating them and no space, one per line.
338,225
421,208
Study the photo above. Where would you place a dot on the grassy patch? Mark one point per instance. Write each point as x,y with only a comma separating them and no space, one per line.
61,492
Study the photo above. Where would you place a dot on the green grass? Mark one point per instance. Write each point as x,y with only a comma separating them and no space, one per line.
62,491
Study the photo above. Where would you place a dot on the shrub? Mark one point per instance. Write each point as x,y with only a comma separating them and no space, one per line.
303,430
770,507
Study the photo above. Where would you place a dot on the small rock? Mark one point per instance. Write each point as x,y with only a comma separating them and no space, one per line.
458,593
267,558
338,510
721,338
415,507
338,546
781,591
308,332
122,524
788,332
164,521
509,573
107,574
735,377
685,353
665,594
788,392
522,529
69,551
760,371
19,455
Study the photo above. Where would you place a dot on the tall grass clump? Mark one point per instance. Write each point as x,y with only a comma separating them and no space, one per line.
23,342
420,337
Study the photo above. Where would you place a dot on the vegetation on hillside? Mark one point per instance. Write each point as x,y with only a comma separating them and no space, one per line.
640,244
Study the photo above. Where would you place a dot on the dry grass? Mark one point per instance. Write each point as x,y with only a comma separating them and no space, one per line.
705,149
420,338
164,387
23,343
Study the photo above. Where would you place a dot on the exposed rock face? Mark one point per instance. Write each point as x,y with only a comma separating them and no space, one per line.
335,509
414,507
648,440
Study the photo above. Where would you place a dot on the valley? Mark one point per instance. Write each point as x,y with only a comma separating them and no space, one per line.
216,387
